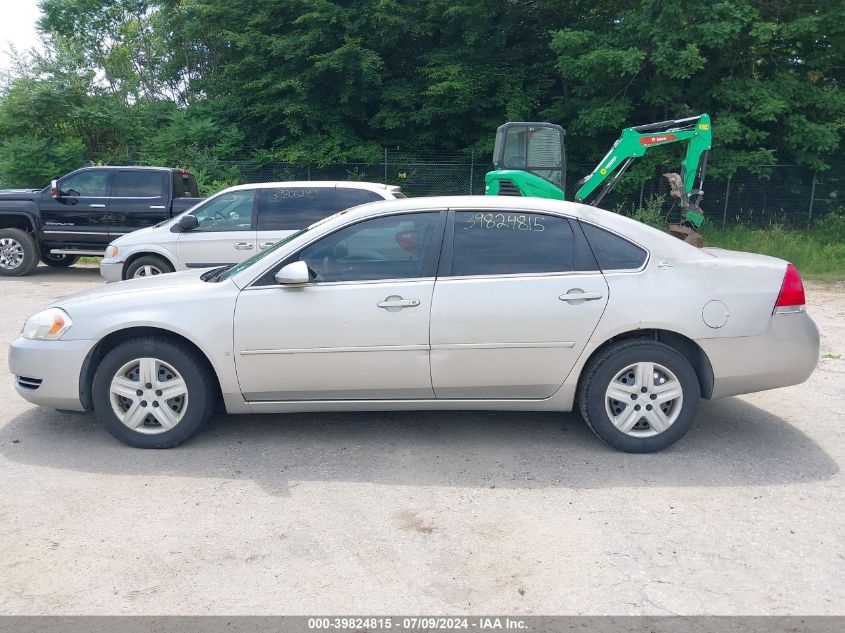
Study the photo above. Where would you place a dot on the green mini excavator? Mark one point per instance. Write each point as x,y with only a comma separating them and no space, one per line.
530,160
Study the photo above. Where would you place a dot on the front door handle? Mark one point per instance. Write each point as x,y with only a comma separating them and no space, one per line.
577,295
244,246
394,303
264,245
97,206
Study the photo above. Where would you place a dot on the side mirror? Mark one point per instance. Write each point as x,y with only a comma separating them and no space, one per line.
54,189
187,223
293,274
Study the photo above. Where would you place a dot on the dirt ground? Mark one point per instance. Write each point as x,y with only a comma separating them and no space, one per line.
447,513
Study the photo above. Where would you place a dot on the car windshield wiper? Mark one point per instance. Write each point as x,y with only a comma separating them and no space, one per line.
214,274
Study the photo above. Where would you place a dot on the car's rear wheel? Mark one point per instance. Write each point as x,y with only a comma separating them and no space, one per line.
148,266
18,253
153,392
639,396
59,261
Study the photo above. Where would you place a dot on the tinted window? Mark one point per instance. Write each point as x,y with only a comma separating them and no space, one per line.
346,197
393,247
87,183
488,243
292,208
612,251
138,184
230,211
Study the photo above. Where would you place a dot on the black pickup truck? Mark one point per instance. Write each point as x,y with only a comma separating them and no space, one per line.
80,213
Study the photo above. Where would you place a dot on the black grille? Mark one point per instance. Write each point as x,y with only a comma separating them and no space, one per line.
29,383
507,188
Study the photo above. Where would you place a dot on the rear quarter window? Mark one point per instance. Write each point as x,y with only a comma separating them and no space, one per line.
613,252
346,197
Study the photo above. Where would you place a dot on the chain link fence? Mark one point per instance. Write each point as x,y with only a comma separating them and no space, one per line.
772,194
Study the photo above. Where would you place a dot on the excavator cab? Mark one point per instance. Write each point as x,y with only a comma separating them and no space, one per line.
530,160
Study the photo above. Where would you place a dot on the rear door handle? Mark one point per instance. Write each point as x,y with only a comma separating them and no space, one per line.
576,294
244,246
397,303
97,206
157,206
264,245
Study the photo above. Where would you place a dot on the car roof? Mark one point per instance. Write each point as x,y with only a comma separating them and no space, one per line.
352,184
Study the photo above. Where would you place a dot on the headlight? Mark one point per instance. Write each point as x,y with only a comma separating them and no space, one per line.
47,325
111,251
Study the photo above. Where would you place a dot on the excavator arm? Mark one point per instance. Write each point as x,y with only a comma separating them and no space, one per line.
636,141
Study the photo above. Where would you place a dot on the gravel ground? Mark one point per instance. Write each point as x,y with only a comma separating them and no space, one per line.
448,513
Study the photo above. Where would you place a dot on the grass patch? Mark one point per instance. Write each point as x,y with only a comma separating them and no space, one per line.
818,253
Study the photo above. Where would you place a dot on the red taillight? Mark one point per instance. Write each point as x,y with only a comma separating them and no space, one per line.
791,297
184,172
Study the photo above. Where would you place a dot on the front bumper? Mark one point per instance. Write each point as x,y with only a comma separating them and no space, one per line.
111,270
47,372
784,354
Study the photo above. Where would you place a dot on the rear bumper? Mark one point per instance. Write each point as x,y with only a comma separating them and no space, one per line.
785,353
47,372
111,270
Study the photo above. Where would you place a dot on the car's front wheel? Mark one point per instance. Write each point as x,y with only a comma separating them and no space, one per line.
639,396
153,392
148,266
18,253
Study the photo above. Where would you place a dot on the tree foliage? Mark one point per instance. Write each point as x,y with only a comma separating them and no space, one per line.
196,83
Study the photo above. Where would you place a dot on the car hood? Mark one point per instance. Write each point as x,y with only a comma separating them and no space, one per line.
141,287
20,194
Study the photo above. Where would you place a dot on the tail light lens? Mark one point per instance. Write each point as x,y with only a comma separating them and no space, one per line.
791,297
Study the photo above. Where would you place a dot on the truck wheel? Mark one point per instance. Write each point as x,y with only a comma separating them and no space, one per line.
18,253
147,266
59,261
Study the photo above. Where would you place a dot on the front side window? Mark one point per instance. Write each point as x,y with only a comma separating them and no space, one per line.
392,247
87,184
294,208
511,242
231,211
138,184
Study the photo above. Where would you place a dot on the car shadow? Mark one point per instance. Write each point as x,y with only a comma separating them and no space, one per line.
732,443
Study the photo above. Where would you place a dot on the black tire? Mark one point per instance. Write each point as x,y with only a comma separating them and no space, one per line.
194,370
59,261
157,266
607,366
18,242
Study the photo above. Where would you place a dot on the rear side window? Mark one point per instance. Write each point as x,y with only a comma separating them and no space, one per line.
293,208
346,197
138,184
611,251
491,243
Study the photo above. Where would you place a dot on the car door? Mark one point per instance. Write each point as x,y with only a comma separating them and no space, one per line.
286,209
138,199
359,330
226,231
78,216
517,297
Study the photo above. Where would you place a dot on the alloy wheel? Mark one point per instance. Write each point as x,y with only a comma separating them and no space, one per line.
11,253
148,270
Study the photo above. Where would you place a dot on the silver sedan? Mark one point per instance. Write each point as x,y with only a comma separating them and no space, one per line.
432,303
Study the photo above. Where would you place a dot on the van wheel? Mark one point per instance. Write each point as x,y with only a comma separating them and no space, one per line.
18,253
639,396
153,392
147,266
59,261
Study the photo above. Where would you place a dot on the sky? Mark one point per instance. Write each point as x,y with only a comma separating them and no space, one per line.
17,25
